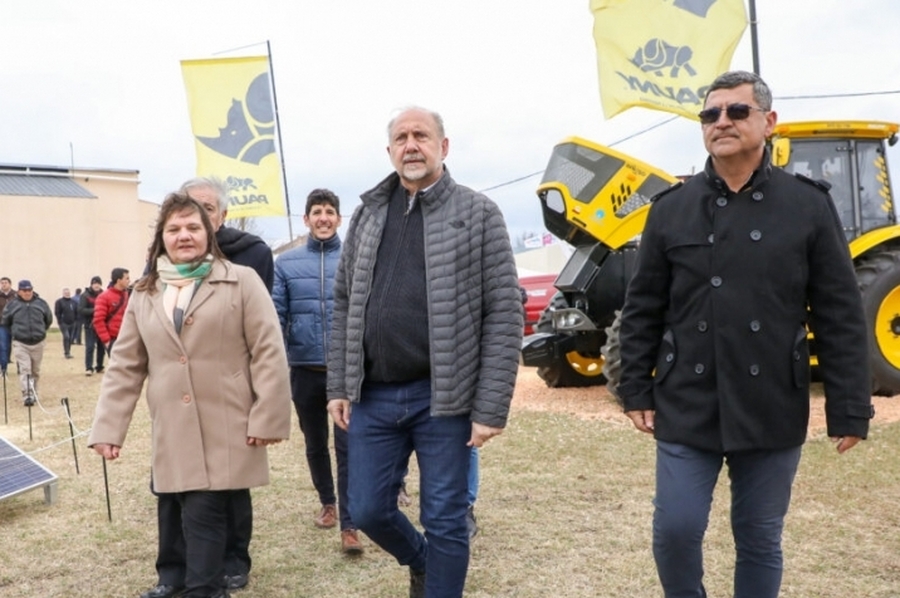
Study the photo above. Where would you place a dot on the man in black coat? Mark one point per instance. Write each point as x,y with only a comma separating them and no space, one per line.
66,311
27,317
732,266
248,250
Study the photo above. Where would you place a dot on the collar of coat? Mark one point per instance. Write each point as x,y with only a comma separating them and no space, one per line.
759,176
221,272
438,193
314,244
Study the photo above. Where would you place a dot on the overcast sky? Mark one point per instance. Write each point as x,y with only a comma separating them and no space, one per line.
510,77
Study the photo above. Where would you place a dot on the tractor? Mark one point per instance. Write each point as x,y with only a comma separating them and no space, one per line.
597,199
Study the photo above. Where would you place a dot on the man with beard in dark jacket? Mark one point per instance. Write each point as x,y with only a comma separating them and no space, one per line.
28,317
248,250
66,311
91,342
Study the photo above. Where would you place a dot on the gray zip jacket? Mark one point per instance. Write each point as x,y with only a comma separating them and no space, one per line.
474,307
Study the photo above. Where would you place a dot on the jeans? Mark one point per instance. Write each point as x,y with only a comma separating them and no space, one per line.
5,348
473,479
311,404
91,342
390,421
68,332
760,494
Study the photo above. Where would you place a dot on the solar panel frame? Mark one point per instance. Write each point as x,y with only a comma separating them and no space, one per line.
19,473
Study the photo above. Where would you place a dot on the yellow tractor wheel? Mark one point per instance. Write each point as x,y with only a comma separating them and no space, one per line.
879,283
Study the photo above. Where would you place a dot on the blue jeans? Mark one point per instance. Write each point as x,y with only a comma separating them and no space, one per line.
386,426
472,494
760,494
5,348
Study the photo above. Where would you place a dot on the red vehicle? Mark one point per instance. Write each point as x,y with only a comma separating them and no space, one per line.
540,291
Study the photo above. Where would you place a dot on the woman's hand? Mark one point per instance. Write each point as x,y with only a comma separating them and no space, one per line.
110,452
252,441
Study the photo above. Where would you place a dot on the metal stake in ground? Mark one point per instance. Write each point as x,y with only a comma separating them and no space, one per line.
65,402
106,488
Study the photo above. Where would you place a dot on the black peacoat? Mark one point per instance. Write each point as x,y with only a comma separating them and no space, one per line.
714,324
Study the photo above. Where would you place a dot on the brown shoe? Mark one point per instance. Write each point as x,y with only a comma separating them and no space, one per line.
327,517
350,542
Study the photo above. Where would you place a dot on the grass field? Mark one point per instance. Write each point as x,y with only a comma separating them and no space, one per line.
564,510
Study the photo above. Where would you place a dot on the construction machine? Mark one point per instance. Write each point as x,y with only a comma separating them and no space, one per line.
597,199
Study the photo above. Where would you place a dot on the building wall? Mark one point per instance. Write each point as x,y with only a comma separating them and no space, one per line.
61,242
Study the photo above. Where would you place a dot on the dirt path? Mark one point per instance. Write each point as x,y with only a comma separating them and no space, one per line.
596,402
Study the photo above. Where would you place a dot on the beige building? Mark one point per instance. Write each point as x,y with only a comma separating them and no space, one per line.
59,226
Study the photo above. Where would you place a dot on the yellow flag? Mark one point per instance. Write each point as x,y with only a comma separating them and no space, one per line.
663,54
233,121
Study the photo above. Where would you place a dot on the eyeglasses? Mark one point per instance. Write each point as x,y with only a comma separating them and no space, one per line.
732,111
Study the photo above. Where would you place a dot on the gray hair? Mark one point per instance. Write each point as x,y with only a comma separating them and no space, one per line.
761,92
214,183
437,118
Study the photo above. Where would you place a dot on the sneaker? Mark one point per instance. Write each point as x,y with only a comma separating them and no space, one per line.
471,522
99,370
28,400
327,517
237,581
416,583
89,372
69,356
350,542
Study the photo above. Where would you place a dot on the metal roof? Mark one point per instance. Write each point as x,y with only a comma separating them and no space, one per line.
41,186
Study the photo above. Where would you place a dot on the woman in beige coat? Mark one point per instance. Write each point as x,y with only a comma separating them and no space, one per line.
205,335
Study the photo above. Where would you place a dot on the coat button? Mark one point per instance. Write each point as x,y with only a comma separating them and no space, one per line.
189,320
716,281
754,370
754,326
722,202
711,238
755,235
796,355
670,357
186,399
757,196
702,326
182,360
699,369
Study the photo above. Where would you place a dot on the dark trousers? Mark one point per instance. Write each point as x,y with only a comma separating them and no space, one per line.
5,348
76,332
204,521
171,558
308,394
91,343
760,494
68,331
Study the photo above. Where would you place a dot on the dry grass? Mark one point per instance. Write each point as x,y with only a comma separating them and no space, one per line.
565,510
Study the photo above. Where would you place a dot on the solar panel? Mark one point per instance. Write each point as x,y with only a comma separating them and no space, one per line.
20,473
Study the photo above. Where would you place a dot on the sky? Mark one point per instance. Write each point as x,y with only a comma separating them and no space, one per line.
98,83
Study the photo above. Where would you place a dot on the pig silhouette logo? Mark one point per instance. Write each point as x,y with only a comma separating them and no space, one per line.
657,55
248,135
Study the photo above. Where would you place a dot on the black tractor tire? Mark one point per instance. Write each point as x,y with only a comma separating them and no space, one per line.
561,374
612,357
879,282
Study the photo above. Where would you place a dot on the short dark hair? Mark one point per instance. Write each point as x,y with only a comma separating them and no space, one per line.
761,92
322,197
6,278
117,275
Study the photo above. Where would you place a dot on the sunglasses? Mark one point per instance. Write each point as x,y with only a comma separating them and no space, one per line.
733,111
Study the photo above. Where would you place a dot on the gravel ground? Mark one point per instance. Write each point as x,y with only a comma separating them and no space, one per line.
596,402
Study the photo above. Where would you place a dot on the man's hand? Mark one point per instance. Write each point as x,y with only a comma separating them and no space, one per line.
110,452
642,419
845,443
481,434
340,412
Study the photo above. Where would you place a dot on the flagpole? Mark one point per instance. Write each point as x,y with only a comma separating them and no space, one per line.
754,39
287,201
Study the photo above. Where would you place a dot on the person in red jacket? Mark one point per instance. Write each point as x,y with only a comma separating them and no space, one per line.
110,308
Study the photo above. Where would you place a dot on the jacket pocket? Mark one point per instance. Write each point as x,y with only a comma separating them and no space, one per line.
666,357
800,359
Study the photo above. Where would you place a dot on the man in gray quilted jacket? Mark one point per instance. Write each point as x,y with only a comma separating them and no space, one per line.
424,349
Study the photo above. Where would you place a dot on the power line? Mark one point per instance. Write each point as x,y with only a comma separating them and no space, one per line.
668,120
